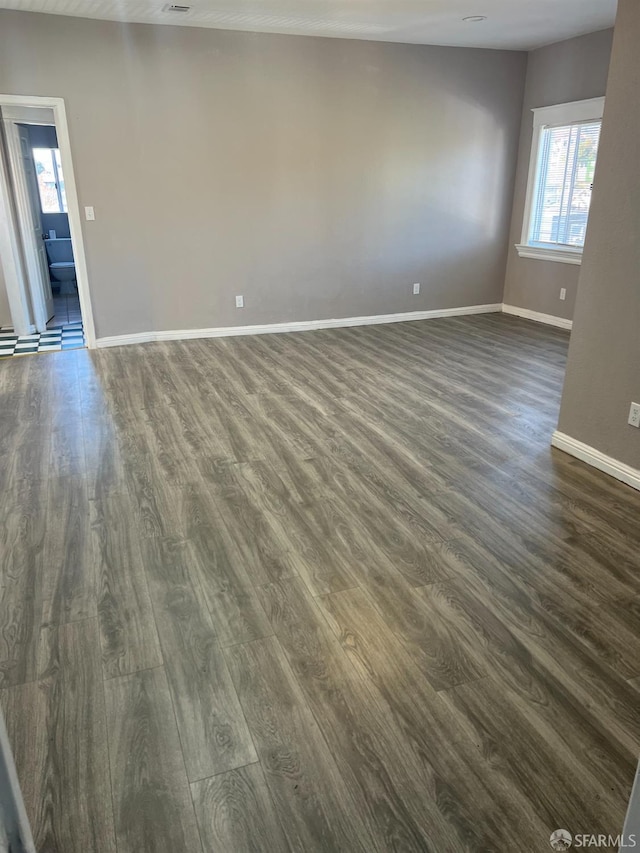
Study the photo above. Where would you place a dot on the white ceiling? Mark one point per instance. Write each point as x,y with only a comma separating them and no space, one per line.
516,24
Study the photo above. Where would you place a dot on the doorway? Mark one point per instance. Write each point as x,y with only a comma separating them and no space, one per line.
44,294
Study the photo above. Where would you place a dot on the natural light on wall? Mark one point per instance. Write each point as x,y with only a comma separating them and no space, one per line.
563,162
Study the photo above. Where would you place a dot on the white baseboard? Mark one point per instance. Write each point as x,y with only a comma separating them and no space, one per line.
588,454
549,319
298,326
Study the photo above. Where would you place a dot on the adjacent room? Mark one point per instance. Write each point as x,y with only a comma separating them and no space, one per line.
44,313
319,426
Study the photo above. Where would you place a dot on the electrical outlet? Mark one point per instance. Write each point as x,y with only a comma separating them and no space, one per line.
239,301
563,293
89,214
634,415
416,288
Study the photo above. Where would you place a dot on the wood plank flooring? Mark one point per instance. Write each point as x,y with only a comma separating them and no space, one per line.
331,591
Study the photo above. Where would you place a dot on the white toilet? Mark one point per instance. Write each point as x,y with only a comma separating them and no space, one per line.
62,266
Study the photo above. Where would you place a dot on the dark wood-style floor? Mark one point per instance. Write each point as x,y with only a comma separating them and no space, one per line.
314,592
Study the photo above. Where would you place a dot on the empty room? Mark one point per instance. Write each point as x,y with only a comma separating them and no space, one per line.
319,426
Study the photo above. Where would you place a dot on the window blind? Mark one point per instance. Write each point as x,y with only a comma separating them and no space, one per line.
563,184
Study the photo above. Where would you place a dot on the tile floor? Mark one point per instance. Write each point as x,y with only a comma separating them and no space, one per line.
67,336
67,310
64,331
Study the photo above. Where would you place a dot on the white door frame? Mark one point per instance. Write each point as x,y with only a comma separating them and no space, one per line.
11,257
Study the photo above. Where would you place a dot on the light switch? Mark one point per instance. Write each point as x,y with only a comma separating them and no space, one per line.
89,214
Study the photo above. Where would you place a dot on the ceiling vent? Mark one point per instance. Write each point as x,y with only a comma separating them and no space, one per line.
173,7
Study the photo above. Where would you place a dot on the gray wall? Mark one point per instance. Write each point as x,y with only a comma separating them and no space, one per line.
318,177
571,70
603,371
59,222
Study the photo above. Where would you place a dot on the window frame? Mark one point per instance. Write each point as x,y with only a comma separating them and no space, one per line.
56,172
558,115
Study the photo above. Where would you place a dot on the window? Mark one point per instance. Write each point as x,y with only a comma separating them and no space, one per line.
53,198
563,162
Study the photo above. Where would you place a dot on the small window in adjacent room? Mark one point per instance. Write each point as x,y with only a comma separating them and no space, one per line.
50,180
563,160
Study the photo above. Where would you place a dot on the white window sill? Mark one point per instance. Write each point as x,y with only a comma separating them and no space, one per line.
541,253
